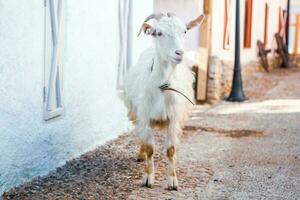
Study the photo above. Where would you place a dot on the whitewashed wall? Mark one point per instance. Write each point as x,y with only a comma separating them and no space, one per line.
94,114
258,21
140,10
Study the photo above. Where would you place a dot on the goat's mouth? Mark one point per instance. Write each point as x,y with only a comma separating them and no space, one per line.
177,60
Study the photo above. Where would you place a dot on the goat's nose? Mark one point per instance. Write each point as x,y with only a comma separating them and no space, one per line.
179,52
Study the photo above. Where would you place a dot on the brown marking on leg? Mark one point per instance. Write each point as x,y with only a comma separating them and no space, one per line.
147,149
132,117
142,154
171,152
160,124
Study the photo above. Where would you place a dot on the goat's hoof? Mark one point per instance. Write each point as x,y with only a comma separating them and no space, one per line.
172,183
148,180
171,188
147,185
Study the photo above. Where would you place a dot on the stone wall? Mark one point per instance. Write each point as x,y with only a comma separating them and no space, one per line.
219,79
220,74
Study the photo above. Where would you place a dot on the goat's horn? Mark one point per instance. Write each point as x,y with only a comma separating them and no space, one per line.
156,16
170,14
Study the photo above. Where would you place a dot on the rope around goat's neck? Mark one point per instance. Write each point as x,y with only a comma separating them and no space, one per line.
166,86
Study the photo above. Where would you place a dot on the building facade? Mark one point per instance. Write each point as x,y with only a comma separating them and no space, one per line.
260,21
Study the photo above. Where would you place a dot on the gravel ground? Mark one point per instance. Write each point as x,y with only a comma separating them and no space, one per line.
244,150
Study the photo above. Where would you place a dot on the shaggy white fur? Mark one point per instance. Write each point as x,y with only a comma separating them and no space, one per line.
144,97
155,67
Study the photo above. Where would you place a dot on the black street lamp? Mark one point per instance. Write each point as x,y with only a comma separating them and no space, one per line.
288,24
237,93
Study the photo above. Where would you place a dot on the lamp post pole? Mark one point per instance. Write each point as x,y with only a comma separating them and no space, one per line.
288,24
237,93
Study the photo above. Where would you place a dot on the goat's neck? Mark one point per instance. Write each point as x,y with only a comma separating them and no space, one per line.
163,69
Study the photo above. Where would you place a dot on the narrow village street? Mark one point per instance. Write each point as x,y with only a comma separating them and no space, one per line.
244,150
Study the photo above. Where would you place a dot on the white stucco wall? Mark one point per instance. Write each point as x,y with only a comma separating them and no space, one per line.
258,20
94,114
140,10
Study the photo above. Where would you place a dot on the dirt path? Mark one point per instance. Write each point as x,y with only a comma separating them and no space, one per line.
228,151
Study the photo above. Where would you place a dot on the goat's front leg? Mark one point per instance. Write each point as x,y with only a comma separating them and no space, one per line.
171,141
148,179
146,151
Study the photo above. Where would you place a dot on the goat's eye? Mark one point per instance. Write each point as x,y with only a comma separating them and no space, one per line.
185,32
159,33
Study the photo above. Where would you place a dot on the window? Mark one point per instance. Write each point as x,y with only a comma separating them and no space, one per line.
125,40
248,24
52,91
227,23
266,25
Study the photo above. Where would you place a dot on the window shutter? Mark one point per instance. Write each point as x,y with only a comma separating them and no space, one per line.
125,40
53,101
266,25
227,23
248,24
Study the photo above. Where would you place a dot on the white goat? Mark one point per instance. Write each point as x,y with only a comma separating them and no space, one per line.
147,90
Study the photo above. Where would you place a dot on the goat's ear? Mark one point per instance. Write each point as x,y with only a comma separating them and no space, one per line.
196,22
147,29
